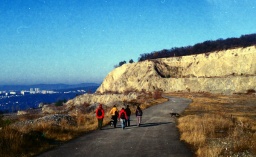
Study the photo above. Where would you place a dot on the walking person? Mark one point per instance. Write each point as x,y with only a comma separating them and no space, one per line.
122,117
139,114
128,112
100,116
114,115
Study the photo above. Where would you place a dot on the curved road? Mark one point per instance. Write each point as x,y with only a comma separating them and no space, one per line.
157,136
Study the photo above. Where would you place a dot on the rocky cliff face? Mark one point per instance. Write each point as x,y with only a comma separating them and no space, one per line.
227,72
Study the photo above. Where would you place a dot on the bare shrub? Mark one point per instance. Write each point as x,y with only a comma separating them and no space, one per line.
157,94
251,91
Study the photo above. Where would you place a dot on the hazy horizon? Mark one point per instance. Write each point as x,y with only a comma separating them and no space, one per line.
48,84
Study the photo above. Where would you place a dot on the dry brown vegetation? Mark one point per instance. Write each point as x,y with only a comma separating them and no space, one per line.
31,139
219,125
213,125
28,140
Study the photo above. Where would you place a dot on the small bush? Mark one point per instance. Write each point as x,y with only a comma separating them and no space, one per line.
60,102
251,91
157,94
4,122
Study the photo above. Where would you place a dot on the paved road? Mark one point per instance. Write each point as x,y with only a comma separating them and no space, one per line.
157,136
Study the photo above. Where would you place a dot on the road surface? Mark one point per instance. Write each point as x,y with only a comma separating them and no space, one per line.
156,137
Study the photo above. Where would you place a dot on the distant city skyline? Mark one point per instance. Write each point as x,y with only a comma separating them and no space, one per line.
46,41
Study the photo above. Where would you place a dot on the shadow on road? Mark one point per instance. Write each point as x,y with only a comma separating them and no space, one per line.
153,124
141,125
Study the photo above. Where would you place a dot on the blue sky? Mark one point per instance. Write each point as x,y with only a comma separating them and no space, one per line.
77,41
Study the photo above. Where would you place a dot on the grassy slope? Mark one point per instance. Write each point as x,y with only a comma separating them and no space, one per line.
219,125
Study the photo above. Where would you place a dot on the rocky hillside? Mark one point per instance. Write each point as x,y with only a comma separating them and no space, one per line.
227,72
106,99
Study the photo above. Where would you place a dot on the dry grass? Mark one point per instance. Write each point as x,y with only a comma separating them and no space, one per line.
14,142
213,125
32,139
29,140
217,125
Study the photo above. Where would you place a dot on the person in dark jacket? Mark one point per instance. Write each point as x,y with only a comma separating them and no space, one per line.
122,117
139,114
100,116
128,112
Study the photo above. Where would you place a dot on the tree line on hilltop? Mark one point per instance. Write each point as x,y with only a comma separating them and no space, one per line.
199,48
123,62
207,46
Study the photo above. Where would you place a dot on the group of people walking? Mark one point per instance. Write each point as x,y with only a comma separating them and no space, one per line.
123,116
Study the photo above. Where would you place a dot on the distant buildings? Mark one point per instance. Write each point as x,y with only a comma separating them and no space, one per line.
36,91
26,92
23,92
47,92
2,92
44,91
12,93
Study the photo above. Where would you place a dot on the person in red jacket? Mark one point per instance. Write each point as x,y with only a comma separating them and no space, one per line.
100,116
122,117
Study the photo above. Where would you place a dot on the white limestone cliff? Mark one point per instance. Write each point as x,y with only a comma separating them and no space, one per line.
226,72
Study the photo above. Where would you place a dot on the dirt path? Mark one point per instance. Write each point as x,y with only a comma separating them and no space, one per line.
157,136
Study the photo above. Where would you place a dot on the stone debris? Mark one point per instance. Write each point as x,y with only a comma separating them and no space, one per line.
55,119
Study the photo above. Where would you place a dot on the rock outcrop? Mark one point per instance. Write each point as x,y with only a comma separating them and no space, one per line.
106,99
226,72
